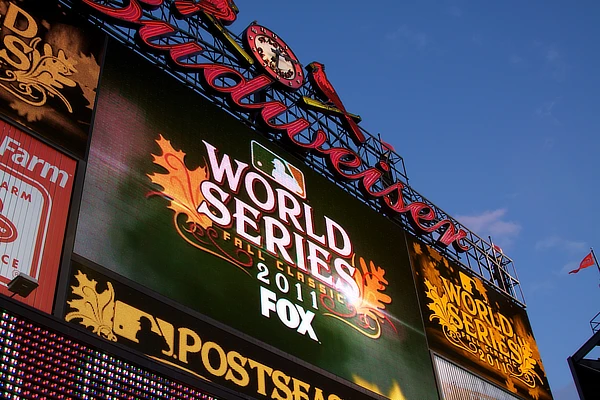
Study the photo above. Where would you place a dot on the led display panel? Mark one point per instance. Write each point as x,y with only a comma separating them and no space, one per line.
183,199
35,190
38,363
471,323
49,68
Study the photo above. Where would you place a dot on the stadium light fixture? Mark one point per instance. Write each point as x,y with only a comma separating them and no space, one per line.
23,285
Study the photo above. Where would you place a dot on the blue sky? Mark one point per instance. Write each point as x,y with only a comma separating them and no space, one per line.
494,107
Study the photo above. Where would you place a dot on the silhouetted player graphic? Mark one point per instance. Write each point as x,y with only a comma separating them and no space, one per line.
152,341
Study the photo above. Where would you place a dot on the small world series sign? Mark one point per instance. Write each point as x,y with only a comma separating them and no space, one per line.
474,325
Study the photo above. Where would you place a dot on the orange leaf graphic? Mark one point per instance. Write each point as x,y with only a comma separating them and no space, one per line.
372,283
179,184
369,307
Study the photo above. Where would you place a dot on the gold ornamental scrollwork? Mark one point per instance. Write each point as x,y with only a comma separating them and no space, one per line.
38,75
526,370
440,308
95,310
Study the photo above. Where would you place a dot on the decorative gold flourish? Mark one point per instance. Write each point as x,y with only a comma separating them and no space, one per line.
440,310
44,75
206,240
96,310
526,370
439,307
370,305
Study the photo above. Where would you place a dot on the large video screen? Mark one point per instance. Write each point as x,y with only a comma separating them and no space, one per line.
190,203
49,68
471,323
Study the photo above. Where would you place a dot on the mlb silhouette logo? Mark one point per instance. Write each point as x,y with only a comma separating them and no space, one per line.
279,170
24,216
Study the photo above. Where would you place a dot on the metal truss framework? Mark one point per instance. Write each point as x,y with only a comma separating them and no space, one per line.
595,323
481,258
585,367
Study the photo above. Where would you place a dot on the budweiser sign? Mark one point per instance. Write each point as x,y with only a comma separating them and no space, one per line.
276,66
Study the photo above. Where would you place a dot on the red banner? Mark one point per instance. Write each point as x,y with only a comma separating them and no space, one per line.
587,261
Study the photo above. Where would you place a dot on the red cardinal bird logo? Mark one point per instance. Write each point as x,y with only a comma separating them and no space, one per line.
8,231
324,88
224,10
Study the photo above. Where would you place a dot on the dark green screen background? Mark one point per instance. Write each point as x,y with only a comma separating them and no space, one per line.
125,231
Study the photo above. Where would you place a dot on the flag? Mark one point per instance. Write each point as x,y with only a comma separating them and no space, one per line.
588,261
497,249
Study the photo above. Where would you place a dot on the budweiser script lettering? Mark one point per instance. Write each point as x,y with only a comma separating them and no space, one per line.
230,83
